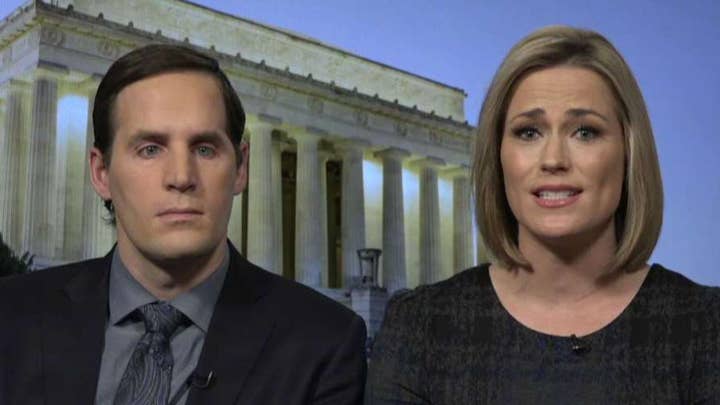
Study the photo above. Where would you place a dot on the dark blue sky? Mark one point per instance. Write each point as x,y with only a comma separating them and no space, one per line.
673,47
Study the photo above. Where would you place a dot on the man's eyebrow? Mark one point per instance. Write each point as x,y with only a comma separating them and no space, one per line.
148,136
579,112
161,137
207,136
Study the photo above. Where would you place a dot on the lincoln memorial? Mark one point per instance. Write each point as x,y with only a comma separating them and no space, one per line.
345,153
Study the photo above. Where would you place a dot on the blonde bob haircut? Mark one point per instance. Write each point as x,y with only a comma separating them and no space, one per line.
638,218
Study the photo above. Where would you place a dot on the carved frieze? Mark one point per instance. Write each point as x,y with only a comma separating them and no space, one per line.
268,91
52,36
315,105
108,49
23,44
434,137
6,57
361,118
401,129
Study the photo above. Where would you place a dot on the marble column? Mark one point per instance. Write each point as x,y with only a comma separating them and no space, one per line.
3,159
98,234
14,129
277,148
40,228
2,124
261,221
308,214
324,156
430,264
352,208
393,251
2,134
462,220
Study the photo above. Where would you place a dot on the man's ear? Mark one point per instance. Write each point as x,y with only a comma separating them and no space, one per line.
242,170
99,174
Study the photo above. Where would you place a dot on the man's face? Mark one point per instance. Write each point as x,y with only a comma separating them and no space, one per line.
172,174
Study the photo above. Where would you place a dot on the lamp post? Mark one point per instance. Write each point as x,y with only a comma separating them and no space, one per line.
369,262
367,297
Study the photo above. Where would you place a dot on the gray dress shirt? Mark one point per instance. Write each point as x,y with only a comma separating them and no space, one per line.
123,332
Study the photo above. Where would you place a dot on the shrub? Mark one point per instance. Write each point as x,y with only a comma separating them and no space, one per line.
10,263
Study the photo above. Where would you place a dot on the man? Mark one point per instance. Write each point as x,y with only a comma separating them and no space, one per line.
173,314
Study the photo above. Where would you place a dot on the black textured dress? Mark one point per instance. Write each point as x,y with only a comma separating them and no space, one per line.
454,343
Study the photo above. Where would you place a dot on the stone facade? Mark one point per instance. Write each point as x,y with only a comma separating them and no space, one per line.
350,151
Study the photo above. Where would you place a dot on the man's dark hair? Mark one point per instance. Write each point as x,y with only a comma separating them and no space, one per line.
153,60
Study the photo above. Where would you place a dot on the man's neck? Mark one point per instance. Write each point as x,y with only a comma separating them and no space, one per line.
166,278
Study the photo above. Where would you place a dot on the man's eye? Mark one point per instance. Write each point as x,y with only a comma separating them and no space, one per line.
149,151
206,151
526,133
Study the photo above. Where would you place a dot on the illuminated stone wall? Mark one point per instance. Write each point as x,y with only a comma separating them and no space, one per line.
302,97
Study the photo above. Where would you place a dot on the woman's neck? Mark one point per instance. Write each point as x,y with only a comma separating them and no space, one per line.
570,288
568,269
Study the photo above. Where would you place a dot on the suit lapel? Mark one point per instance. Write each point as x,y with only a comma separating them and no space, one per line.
73,335
239,328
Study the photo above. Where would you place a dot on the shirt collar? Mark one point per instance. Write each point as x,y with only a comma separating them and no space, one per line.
126,294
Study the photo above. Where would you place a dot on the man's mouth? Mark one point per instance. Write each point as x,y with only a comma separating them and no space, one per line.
179,213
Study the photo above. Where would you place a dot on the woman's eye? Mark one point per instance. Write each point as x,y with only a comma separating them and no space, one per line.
586,133
205,151
526,133
149,151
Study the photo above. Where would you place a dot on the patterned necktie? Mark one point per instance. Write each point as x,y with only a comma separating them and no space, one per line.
148,375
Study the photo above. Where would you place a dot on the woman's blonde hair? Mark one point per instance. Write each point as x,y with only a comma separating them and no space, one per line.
638,218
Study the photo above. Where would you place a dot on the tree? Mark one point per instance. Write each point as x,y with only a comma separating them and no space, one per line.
10,263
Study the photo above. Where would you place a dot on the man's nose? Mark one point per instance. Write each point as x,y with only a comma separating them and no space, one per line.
181,171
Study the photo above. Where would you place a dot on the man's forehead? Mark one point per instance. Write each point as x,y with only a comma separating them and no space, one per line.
173,82
188,101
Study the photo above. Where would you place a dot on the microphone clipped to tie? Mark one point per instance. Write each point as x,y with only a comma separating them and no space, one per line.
578,345
202,381
195,380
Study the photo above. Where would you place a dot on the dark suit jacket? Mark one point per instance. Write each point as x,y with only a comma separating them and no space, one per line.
270,341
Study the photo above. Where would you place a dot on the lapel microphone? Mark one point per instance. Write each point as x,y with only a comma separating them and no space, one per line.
578,345
201,382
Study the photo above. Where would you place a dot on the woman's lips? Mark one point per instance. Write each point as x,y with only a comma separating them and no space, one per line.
556,198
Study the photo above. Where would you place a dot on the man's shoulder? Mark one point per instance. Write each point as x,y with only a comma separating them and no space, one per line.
299,298
296,303
37,284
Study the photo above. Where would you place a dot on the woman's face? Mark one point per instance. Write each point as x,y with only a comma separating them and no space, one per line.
563,154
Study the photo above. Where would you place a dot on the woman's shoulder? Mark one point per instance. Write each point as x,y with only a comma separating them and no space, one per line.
693,314
672,292
471,287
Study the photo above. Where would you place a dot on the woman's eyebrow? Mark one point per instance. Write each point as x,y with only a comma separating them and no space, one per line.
533,113
579,112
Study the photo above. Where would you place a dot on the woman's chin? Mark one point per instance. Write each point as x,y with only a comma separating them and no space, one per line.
568,234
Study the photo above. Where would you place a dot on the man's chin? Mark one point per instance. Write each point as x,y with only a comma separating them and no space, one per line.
181,249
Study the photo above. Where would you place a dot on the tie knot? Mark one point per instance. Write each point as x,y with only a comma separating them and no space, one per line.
161,317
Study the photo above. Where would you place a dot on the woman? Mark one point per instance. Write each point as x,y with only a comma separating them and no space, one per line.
569,203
